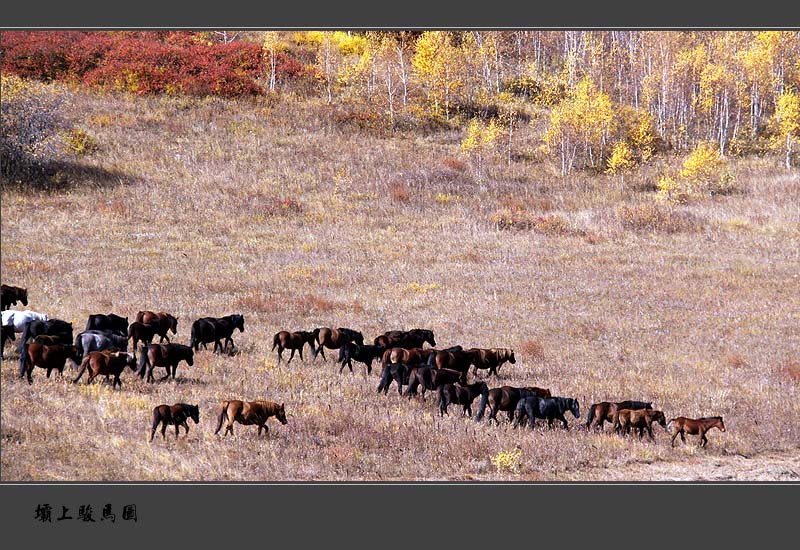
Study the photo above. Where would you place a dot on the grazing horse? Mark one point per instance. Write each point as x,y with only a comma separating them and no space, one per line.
164,321
50,357
175,415
625,419
248,413
505,398
604,411
95,340
334,338
294,341
461,395
694,426
456,360
491,359
107,322
393,371
163,355
10,295
413,338
362,353
214,329
550,408
141,332
431,379
106,362
405,356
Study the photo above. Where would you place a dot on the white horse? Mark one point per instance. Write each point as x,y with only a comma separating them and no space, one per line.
19,318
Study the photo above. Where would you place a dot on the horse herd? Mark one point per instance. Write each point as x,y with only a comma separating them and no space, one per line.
102,350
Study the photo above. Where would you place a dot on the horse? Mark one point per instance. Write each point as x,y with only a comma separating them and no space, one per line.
431,379
491,359
362,353
95,340
461,395
106,362
50,357
393,371
141,332
625,419
604,411
176,415
550,408
248,413
163,355
694,426
334,338
165,322
405,356
18,318
10,295
413,338
456,360
113,322
214,329
505,398
294,341
6,333
53,327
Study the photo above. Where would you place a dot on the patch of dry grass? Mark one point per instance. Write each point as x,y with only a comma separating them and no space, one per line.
693,314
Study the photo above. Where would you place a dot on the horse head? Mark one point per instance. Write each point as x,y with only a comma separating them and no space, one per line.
720,424
574,407
511,358
173,323
238,322
661,419
428,337
194,413
281,414
188,355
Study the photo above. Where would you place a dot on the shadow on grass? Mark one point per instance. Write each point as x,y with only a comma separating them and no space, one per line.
58,176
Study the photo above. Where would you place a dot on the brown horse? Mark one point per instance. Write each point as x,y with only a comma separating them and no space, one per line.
491,358
600,413
163,355
248,413
642,419
694,426
106,362
48,356
505,398
456,360
142,332
414,338
10,295
405,356
462,395
176,415
294,341
163,321
431,379
334,338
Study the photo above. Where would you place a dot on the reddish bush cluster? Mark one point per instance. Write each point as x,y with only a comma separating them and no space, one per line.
142,62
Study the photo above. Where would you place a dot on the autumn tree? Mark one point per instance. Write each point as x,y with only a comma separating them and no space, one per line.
787,117
435,63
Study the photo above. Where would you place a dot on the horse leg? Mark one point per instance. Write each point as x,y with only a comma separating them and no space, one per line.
164,430
280,354
703,440
177,429
672,441
291,356
564,421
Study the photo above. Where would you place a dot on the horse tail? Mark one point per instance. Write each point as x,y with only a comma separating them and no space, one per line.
144,361
432,360
275,341
194,341
25,335
84,364
23,359
590,416
222,415
482,406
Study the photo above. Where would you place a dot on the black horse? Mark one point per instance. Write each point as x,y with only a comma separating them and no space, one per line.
429,378
549,408
462,395
393,371
10,295
413,338
97,340
53,327
113,322
363,354
215,329
163,355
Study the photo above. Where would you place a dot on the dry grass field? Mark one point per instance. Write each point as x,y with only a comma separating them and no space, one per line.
281,211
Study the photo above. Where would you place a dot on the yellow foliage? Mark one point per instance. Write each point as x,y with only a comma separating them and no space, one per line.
480,135
422,289
703,163
80,142
621,160
507,460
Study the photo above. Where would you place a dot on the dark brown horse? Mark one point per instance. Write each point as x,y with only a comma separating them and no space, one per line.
363,354
491,358
100,321
294,341
600,413
546,408
405,356
431,379
248,413
397,372
7,333
414,338
10,295
48,356
694,426
642,419
216,329
142,333
163,321
163,355
174,415
505,398
106,362
456,360
334,338
461,395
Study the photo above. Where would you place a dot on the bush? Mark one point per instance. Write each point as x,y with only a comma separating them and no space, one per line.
651,217
79,142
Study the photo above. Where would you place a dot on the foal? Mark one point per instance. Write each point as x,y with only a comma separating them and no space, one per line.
176,415
694,426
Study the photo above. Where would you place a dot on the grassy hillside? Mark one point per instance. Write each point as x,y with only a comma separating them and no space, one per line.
284,212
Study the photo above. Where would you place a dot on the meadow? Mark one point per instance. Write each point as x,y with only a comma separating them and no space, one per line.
282,210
